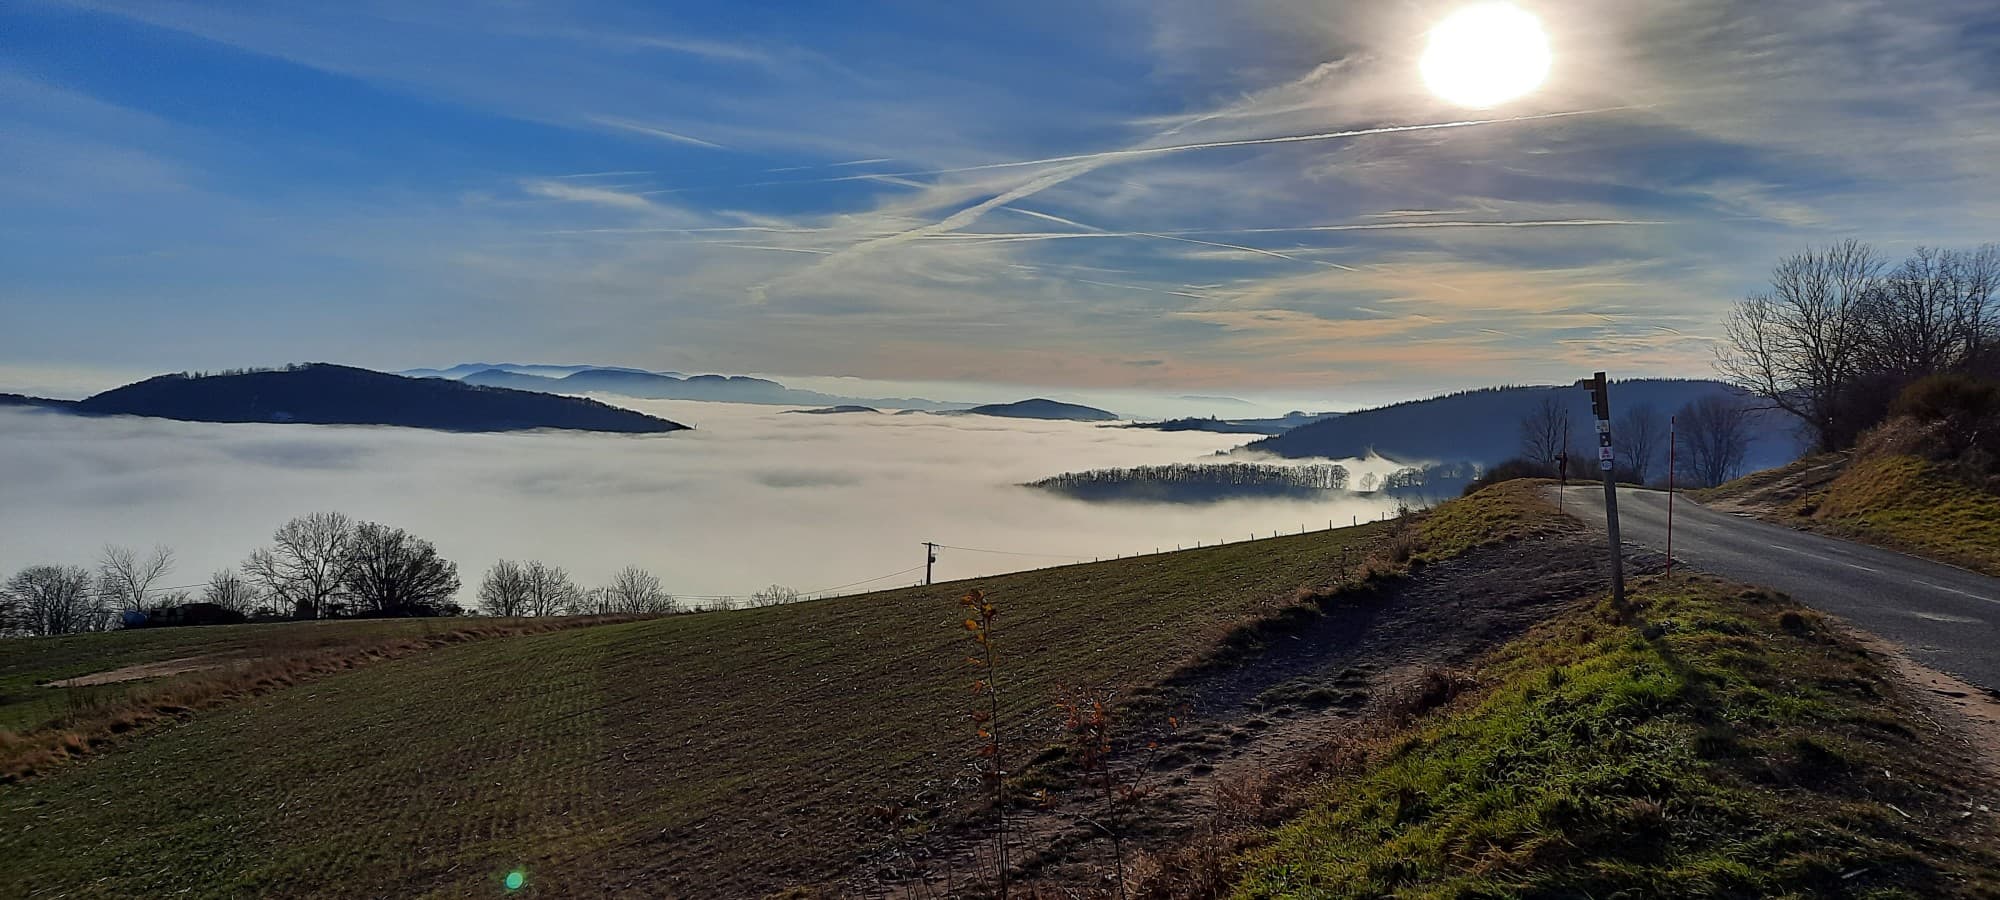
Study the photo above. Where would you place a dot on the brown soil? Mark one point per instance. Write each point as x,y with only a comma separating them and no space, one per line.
1367,663
1964,717
159,669
1782,495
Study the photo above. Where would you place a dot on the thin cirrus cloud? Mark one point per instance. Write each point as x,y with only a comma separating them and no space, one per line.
818,194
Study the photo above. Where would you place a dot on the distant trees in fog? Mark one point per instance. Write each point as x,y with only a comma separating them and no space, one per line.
1639,439
632,590
230,591
1198,483
125,577
389,571
320,565
775,595
1546,433
301,569
1714,437
40,601
533,588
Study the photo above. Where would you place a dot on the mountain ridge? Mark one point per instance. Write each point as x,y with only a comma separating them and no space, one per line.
328,394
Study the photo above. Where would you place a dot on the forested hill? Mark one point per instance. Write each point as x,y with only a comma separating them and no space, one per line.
319,393
1041,408
1484,426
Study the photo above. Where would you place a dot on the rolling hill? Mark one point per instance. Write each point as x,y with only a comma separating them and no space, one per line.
1483,426
722,754
324,394
1039,408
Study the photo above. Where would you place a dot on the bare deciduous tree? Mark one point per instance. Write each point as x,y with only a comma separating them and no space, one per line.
231,592
1799,346
531,589
1545,432
504,590
632,590
389,570
775,595
125,577
1639,437
301,570
1934,313
1714,434
48,600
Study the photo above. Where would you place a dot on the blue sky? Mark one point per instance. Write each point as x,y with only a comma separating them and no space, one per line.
925,192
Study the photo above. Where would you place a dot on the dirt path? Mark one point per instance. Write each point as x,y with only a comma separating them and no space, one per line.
1369,660
1965,716
159,669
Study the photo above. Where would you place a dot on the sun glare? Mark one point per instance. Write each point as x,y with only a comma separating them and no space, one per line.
1486,55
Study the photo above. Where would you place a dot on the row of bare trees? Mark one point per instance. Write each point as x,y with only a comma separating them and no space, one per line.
1711,437
1841,332
56,599
535,588
318,566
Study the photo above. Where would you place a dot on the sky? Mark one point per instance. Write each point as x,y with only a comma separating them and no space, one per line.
754,496
1256,198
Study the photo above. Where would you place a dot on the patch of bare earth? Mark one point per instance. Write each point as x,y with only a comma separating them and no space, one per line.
1374,658
1782,495
160,669
1965,718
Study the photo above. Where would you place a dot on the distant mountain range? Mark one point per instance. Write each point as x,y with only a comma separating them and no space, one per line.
1484,426
659,385
323,394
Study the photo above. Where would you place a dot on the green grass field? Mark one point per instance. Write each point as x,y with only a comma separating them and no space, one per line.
27,664
714,754
1716,743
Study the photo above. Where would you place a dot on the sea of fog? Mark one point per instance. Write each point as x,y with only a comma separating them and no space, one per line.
753,496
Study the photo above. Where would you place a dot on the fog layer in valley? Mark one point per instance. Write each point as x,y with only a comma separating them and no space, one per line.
754,496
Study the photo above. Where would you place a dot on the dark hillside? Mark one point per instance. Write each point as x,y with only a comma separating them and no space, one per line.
1039,408
319,393
1484,426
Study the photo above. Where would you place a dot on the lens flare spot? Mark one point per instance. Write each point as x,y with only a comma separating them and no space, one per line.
516,879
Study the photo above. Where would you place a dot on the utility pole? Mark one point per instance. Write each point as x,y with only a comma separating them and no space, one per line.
930,559
1600,405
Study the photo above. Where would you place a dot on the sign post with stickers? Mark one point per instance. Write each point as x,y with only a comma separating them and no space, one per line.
1600,407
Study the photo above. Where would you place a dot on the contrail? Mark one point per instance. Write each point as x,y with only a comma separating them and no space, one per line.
662,133
1164,236
1012,237
1203,145
1068,167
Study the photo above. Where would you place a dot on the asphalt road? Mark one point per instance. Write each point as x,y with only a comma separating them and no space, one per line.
1946,617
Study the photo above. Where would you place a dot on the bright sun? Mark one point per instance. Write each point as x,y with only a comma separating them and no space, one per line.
1486,55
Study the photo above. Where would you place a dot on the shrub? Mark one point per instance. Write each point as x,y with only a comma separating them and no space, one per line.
1961,411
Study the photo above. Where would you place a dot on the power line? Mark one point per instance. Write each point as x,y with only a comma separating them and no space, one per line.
1008,552
865,581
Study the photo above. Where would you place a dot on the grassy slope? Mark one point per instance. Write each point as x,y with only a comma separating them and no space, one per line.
712,754
1906,503
26,663
1717,743
1901,502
